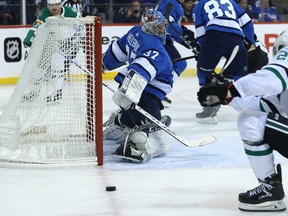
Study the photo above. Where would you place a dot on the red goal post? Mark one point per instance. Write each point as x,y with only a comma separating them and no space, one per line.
54,115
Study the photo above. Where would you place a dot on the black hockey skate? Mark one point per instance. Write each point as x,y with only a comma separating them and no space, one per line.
267,197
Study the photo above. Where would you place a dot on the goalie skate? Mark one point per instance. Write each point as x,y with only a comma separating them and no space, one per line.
266,197
130,153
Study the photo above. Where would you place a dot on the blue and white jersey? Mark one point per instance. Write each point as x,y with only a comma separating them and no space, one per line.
224,16
175,17
145,54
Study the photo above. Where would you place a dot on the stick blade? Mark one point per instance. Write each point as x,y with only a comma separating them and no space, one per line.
200,141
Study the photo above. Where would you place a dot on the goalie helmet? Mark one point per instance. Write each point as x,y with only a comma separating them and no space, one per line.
281,41
153,22
53,1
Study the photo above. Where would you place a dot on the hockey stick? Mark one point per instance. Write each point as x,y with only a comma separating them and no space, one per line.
227,63
184,58
231,58
190,143
166,15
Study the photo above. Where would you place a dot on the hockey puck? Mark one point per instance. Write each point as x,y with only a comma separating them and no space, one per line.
110,188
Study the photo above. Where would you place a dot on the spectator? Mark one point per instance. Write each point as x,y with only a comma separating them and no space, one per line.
76,4
39,5
9,15
134,12
95,8
268,12
188,7
120,10
154,2
244,4
89,8
31,11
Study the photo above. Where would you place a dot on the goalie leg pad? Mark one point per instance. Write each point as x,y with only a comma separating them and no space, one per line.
275,133
158,143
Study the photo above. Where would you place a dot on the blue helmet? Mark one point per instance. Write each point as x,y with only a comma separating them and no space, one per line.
153,22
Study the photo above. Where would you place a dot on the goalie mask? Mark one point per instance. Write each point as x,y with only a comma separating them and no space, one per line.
281,41
153,22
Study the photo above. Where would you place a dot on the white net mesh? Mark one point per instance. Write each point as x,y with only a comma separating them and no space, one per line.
50,117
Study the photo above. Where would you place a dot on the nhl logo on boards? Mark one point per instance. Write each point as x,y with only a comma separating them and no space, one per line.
12,49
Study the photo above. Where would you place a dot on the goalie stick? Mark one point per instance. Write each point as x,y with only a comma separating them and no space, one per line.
190,143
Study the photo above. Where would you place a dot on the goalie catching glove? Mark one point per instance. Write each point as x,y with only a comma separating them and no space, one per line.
214,94
130,90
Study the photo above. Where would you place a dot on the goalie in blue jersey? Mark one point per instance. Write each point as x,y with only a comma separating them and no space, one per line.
220,26
145,82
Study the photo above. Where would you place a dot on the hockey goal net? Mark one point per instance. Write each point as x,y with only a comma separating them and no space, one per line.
54,115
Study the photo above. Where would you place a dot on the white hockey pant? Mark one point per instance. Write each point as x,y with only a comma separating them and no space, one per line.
251,126
57,69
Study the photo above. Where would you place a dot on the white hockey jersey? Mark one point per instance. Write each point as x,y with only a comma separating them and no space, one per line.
270,82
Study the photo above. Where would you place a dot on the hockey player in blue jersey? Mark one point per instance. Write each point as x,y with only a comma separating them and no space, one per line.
174,12
145,82
220,26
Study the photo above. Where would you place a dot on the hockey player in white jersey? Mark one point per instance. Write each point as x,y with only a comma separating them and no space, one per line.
261,131
145,82
60,65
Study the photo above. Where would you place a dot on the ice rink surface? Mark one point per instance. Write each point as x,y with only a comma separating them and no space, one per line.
203,181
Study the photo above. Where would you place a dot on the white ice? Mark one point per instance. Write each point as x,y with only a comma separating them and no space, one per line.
185,181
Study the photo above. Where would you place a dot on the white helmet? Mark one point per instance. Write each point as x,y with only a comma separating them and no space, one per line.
281,41
53,1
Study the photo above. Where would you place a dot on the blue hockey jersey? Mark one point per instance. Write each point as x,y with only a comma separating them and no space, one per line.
145,54
224,16
175,17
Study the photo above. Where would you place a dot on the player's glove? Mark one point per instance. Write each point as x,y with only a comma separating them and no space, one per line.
189,40
247,43
217,93
257,58
29,38
215,78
